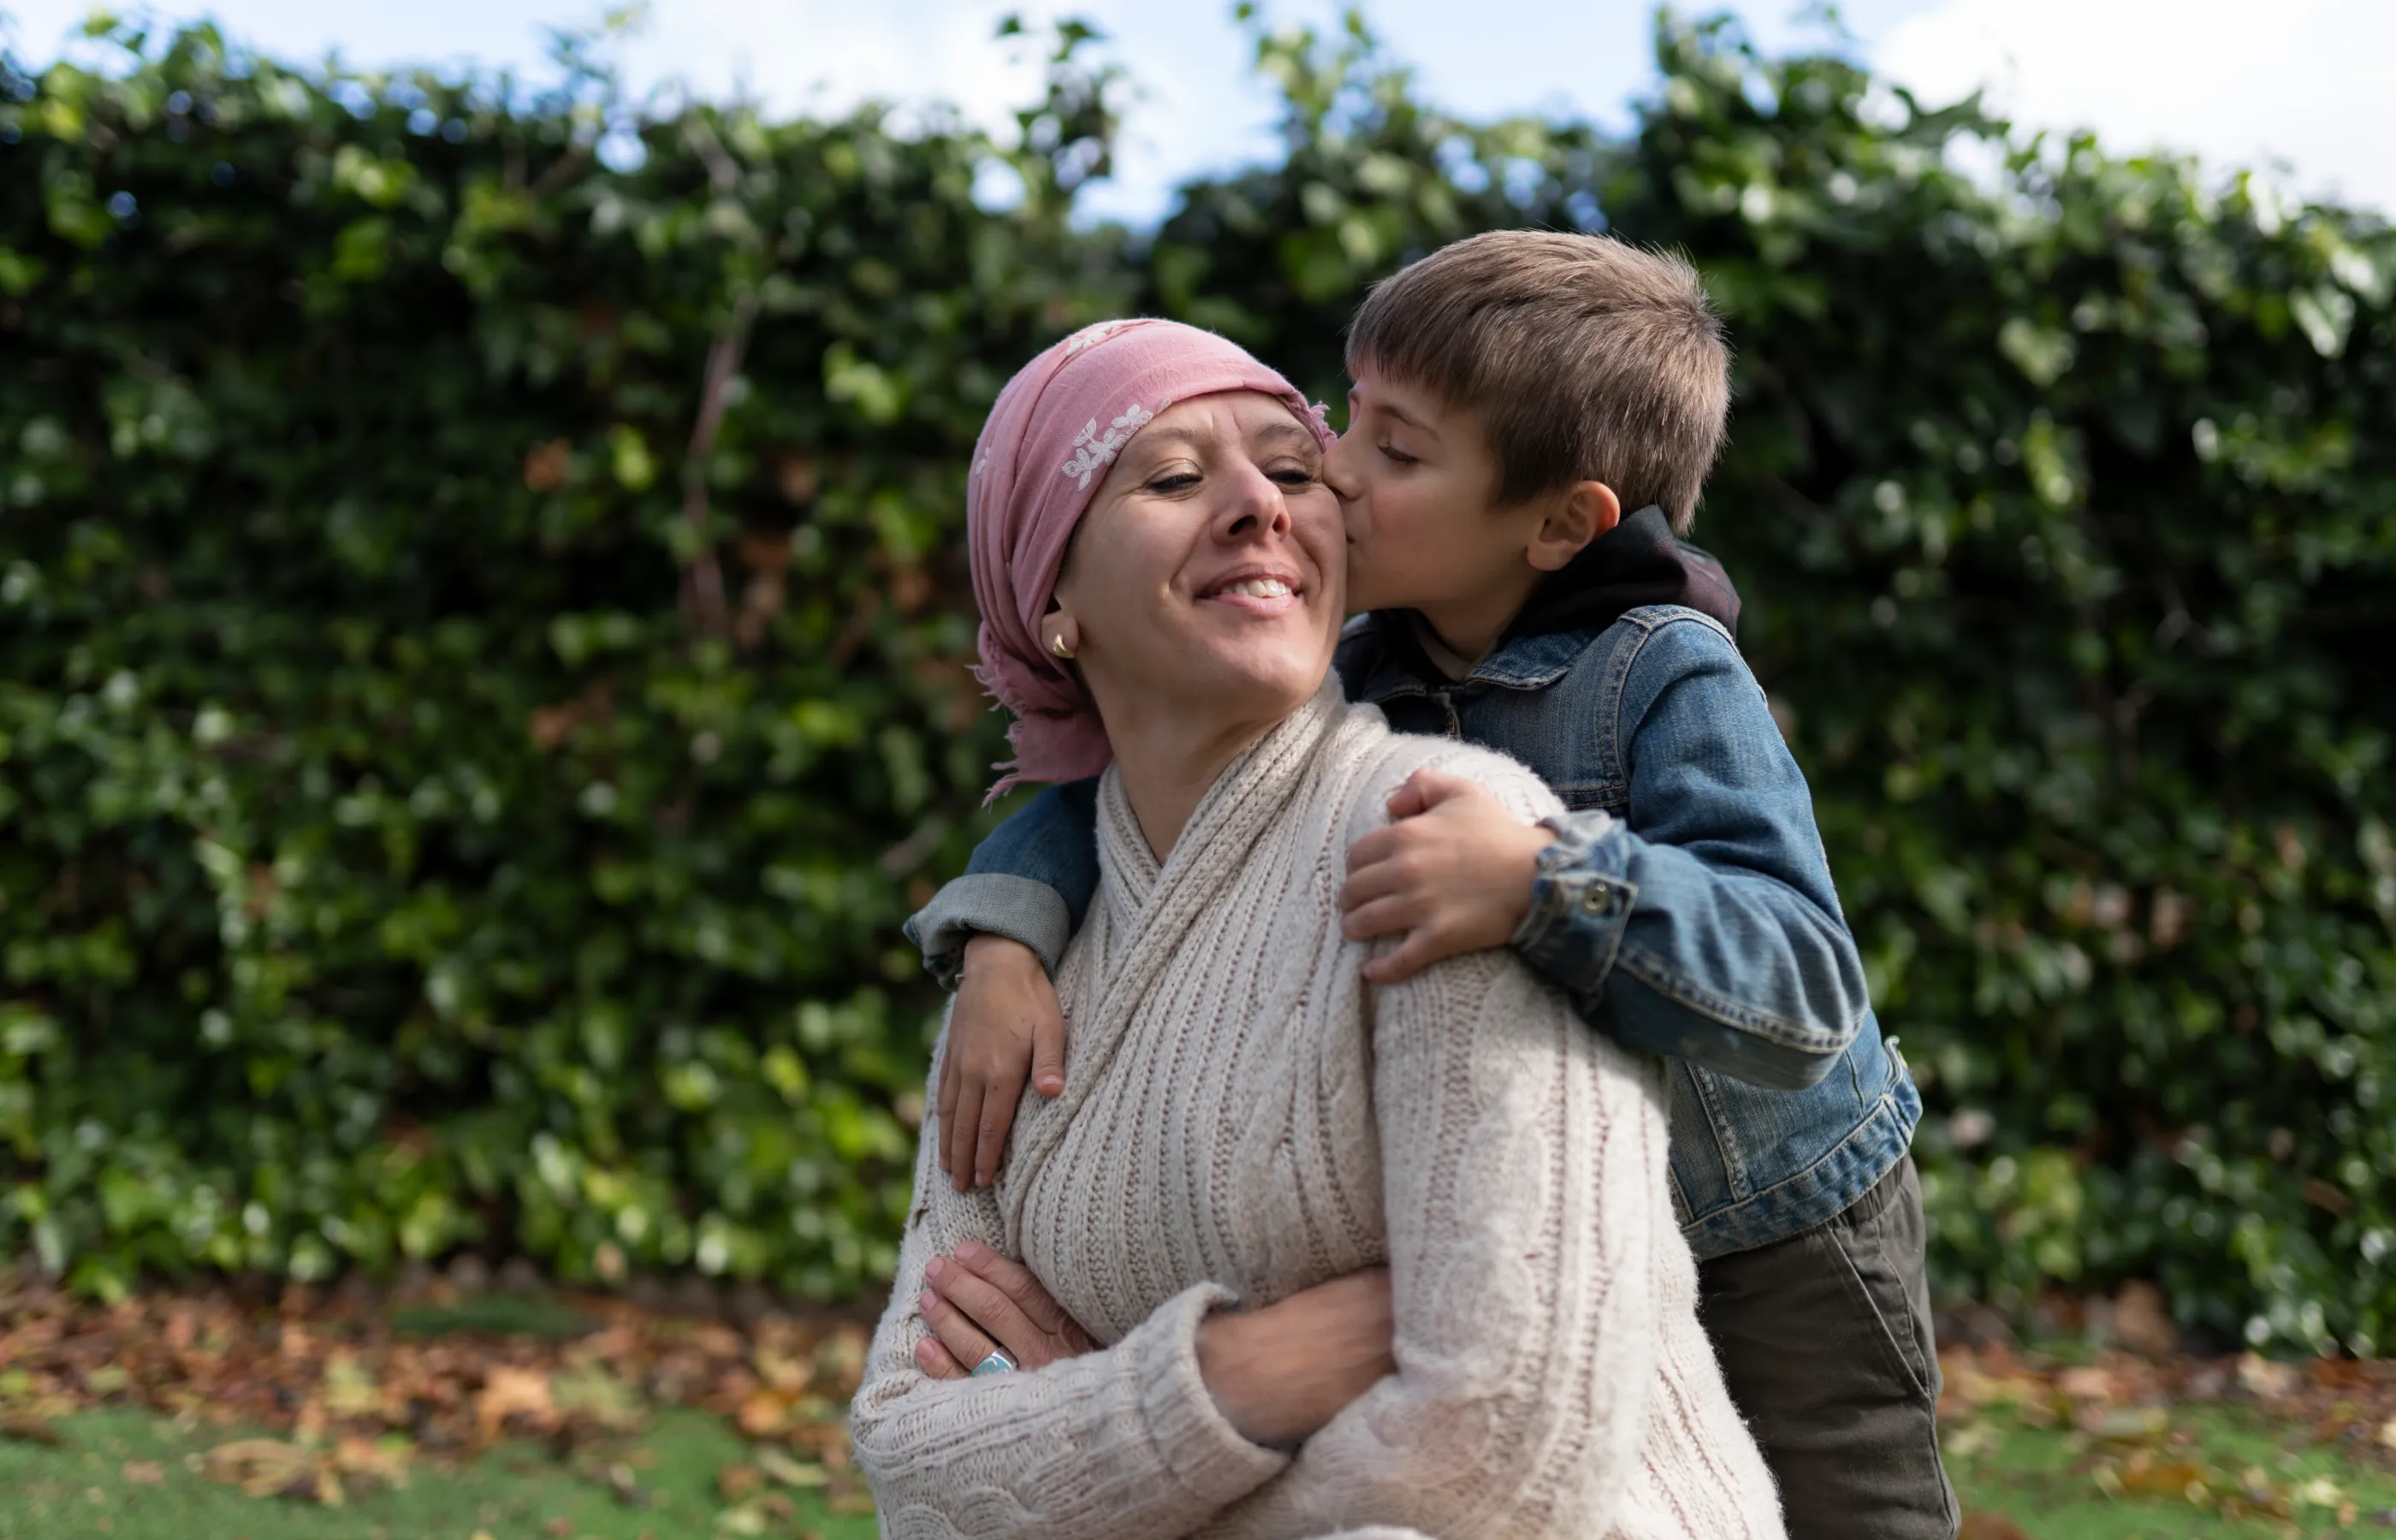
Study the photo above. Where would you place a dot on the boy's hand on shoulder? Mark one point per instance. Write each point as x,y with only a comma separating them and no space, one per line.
1453,872
1008,1026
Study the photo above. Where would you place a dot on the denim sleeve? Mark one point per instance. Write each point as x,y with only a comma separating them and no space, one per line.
1031,879
1703,925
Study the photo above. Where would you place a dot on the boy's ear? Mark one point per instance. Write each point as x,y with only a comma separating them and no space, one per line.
1575,516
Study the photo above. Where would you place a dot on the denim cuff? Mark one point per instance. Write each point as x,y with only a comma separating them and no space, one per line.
992,903
1580,903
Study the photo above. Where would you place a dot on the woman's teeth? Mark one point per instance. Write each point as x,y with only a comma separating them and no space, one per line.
1259,588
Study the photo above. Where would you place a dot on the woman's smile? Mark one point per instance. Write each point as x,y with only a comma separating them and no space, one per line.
1257,590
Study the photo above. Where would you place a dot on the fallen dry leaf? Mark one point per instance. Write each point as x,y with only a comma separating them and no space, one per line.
262,1467
1991,1526
2264,1379
784,1371
385,1460
736,1481
2143,1323
273,1467
765,1412
2173,1478
508,1392
624,1483
790,1472
591,1395
2086,1384
2125,1424
144,1472
29,1427
350,1389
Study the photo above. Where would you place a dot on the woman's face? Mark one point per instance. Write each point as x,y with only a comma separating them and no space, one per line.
1206,576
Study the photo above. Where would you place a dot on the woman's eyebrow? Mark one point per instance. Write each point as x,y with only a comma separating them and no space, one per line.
1157,444
1284,430
1156,436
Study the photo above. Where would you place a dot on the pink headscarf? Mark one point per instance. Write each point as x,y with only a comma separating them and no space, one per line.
1058,426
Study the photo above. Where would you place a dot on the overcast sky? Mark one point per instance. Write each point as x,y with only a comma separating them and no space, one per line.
2301,82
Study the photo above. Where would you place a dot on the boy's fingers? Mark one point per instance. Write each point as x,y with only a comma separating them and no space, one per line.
945,1104
1411,957
1379,880
1374,848
1431,788
960,1137
1380,918
1407,800
997,1117
1048,1054
1424,945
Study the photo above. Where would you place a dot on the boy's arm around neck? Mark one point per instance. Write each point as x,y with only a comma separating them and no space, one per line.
1030,881
1701,924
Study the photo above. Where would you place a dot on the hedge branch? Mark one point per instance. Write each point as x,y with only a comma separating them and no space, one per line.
703,600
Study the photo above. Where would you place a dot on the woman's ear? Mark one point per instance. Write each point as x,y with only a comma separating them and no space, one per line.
1576,515
1060,633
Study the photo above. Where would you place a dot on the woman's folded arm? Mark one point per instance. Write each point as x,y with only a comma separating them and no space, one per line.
1124,1440
1522,1166
1523,1171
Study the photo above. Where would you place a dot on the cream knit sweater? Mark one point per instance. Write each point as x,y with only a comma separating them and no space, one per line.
1245,1118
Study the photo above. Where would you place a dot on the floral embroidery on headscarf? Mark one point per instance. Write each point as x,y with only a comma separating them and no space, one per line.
1092,334
1093,451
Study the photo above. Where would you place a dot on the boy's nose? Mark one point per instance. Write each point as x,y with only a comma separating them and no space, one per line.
1338,476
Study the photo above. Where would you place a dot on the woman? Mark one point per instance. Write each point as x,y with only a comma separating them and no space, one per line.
1246,1121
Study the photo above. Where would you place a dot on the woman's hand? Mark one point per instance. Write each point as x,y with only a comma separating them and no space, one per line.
1007,1024
1281,1373
977,1300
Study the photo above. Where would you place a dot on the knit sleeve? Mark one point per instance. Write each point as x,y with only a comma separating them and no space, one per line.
1124,1440
1523,1168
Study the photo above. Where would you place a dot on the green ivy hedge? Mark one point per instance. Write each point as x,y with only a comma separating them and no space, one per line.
483,640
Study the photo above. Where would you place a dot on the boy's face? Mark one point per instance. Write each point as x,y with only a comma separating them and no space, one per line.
1416,477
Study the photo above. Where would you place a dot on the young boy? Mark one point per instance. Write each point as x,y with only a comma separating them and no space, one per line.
1513,394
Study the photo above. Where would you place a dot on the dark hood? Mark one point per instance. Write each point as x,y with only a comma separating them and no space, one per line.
1637,562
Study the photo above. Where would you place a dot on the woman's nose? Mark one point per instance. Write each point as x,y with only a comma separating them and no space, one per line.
1256,507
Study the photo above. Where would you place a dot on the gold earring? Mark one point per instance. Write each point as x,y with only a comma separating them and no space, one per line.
1057,645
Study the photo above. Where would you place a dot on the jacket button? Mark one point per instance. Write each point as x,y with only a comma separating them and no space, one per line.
1598,900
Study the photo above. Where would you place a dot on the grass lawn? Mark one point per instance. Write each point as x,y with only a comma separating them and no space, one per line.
2207,1471
135,1476
208,1414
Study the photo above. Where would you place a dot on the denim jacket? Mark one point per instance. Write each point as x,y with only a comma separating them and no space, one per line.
1687,904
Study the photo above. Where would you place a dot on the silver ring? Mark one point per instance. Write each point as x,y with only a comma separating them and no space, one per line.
995,1364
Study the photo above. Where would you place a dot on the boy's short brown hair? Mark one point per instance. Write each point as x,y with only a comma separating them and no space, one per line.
1584,357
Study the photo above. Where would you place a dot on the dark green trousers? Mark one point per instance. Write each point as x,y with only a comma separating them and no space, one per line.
1825,1340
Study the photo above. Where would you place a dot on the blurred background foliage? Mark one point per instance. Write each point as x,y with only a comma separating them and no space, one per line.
484,639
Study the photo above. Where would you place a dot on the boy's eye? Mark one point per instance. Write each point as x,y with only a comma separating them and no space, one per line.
1396,454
